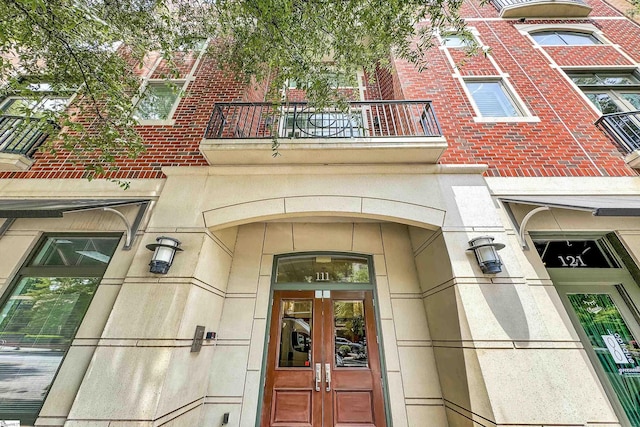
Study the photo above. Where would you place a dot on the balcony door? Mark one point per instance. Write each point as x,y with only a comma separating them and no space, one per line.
323,365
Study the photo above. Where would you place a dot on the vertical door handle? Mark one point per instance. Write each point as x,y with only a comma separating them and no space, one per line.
318,376
327,375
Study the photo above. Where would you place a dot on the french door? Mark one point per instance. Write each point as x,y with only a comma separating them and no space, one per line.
323,364
602,306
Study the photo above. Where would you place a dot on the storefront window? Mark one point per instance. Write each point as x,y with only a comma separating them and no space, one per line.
615,346
40,316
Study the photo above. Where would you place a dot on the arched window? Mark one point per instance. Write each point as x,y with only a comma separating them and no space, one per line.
564,38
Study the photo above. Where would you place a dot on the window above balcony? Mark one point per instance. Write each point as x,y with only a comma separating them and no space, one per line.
616,95
380,132
542,8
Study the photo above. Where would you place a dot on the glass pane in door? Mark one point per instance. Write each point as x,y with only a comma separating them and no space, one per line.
349,334
295,334
614,345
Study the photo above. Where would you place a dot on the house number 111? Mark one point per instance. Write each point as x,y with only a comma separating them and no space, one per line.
322,276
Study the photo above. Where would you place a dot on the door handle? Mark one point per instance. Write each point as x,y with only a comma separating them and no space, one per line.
318,376
327,375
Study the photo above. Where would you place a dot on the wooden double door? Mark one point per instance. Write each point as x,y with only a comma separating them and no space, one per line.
323,363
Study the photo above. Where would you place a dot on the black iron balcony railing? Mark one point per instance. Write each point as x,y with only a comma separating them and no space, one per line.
21,135
541,8
366,119
623,128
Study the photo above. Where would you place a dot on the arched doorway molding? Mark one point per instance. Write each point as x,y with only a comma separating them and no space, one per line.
324,206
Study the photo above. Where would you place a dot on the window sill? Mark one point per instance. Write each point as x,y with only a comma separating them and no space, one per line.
169,122
524,119
14,162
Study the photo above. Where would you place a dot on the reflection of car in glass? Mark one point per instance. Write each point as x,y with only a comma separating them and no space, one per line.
352,345
295,343
349,353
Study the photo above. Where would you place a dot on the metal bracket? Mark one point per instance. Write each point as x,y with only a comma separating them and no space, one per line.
6,225
525,220
130,229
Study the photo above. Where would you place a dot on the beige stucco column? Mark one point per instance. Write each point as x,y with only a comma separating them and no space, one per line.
143,372
505,352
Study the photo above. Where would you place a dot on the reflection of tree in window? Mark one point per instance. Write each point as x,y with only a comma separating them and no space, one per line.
350,334
600,318
610,92
41,315
336,270
157,102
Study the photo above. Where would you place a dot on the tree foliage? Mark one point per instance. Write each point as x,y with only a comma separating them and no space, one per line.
95,47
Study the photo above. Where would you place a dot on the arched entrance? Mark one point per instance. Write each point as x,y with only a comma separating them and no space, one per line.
323,365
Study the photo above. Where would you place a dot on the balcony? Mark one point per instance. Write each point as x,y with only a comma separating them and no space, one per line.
624,129
542,8
364,132
19,139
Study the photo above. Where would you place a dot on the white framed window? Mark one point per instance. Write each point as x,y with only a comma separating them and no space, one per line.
564,38
42,100
19,106
40,313
608,90
159,101
455,40
159,97
493,101
563,34
470,38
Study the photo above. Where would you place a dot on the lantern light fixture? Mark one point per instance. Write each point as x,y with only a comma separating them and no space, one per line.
486,252
164,250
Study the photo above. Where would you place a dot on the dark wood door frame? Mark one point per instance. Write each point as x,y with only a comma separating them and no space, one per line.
333,396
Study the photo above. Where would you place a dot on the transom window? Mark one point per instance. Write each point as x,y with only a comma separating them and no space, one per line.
492,99
563,38
587,253
604,79
322,269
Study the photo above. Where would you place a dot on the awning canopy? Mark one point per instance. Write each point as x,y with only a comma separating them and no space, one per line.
10,209
597,205
55,208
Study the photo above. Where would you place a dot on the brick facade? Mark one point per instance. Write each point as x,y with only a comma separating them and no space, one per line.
564,142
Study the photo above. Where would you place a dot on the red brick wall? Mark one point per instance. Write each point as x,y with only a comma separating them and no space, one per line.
175,145
564,143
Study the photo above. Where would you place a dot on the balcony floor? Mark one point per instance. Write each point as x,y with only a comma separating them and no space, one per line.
380,150
546,9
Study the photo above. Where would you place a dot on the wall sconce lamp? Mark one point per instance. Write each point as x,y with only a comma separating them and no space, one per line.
164,250
486,253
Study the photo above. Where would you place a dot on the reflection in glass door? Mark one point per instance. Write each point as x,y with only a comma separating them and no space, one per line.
323,365
614,345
